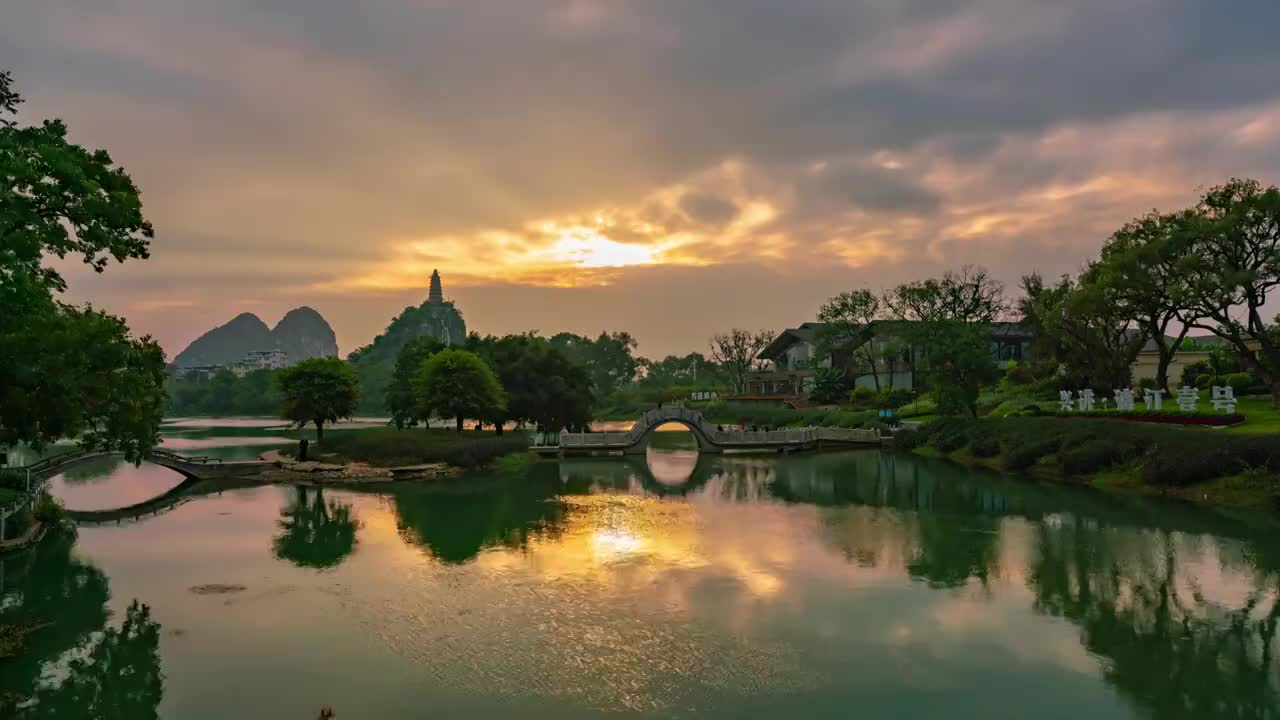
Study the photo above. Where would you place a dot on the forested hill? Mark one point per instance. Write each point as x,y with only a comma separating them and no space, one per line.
440,320
375,361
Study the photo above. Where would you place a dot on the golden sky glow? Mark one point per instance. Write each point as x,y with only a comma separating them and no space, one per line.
584,165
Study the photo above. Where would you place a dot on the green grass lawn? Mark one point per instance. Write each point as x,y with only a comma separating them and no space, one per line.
1260,416
388,447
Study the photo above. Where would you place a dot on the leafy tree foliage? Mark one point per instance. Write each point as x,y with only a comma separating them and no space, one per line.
67,371
949,318
57,198
376,362
77,372
1139,272
1087,326
830,385
223,393
738,351
1229,251
674,377
847,328
609,359
458,384
692,369
401,400
319,391
542,385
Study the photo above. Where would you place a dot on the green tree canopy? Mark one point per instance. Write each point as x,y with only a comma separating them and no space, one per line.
1229,252
401,400
542,385
847,328
1089,325
609,359
1139,273
949,318
67,371
458,384
57,198
319,391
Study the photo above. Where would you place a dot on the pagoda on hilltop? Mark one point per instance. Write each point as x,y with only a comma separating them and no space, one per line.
438,317
435,317
435,295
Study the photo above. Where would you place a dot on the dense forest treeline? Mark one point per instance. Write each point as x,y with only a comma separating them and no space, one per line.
602,376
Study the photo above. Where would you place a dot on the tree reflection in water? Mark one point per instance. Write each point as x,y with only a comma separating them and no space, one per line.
93,471
315,533
455,522
1162,642
1127,573
72,665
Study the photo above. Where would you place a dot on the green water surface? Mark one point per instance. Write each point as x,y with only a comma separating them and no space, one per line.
853,584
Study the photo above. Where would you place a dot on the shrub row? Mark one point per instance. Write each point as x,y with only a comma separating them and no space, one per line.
777,416
1169,456
864,397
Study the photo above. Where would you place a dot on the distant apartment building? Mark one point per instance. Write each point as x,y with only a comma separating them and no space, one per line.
254,360
260,360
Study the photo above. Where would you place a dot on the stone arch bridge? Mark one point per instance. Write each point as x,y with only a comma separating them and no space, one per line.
710,438
200,476
191,468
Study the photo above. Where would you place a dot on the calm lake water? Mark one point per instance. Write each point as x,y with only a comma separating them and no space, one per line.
816,586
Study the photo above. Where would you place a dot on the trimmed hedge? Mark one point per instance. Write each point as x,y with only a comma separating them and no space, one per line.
908,439
776,416
1026,455
1170,457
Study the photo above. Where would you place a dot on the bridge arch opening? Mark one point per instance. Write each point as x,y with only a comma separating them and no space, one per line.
673,435
676,433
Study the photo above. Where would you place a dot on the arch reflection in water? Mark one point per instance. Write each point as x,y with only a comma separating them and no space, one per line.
107,482
659,473
72,663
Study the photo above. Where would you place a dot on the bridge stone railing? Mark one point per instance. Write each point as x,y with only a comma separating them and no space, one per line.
720,438
848,435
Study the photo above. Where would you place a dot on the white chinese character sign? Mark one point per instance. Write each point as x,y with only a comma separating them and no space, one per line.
1187,398
1086,400
1224,398
1065,403
1153,399
1124,399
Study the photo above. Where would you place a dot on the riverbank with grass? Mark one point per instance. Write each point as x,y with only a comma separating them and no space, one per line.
1207,466
385,447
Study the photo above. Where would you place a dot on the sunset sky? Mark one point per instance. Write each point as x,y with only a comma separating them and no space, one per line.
668,167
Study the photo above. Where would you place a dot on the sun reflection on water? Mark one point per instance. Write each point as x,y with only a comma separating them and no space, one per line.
609,545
